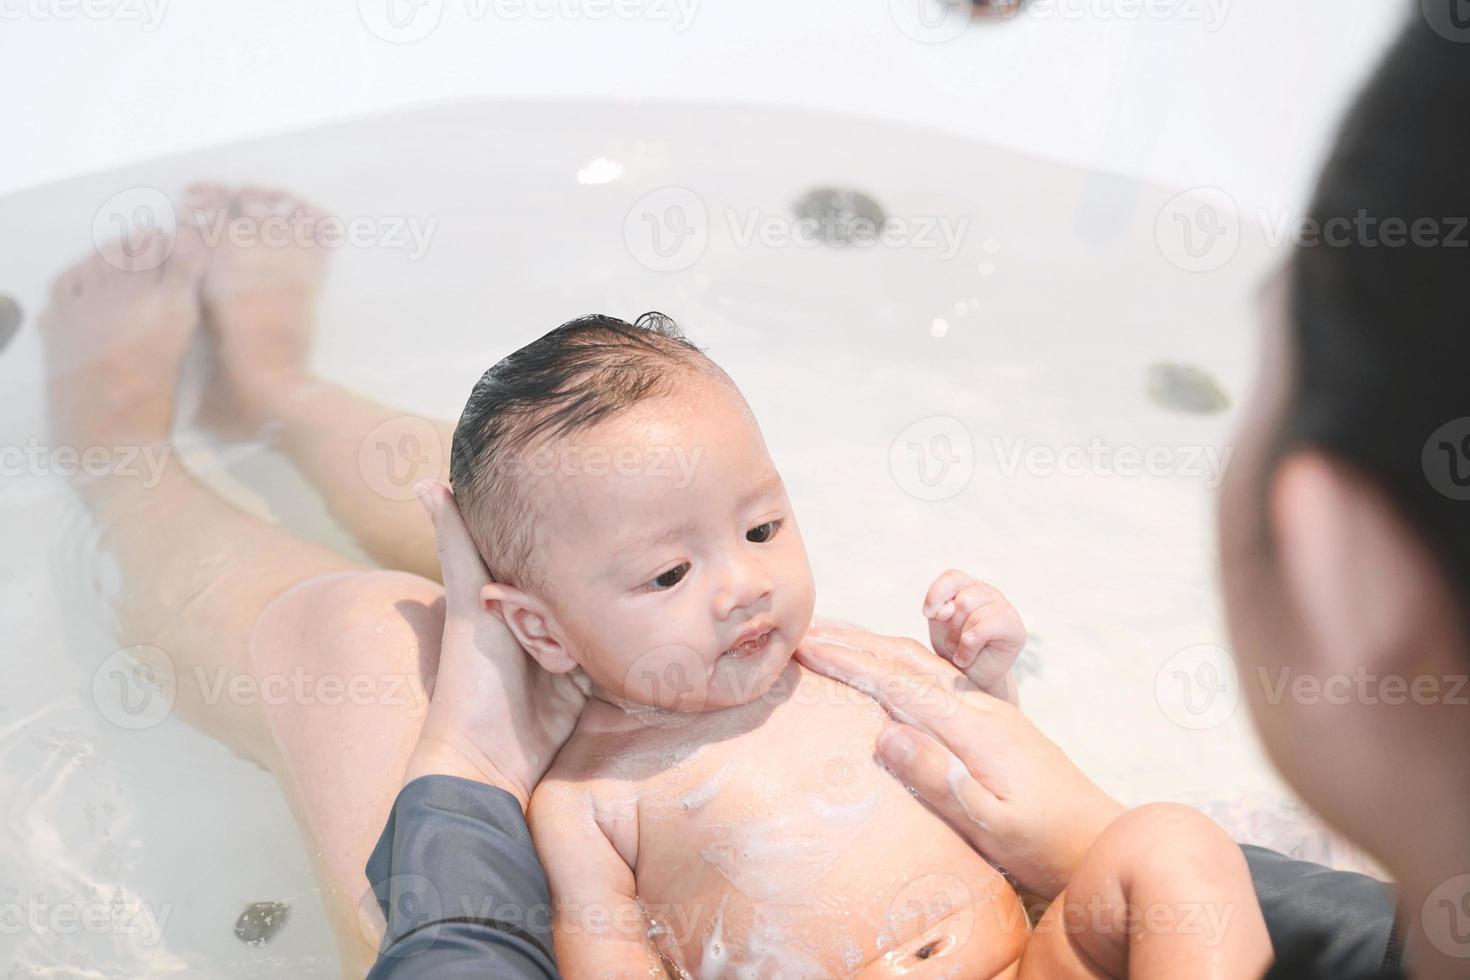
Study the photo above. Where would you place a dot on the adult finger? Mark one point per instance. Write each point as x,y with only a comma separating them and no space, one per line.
892,649
940,779
464,573
911,696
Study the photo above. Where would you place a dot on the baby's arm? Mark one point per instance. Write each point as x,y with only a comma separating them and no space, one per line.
1165,893
597,927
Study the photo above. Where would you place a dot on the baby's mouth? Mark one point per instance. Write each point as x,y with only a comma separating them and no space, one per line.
750,647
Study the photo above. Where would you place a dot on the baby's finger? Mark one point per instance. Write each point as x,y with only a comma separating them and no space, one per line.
979,628
941,780
939,640
993,638
972,598
968,644
943,590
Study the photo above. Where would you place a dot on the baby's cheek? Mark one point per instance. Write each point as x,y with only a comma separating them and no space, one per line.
803,608
667,675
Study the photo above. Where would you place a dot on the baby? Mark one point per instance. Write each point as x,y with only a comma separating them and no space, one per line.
718,810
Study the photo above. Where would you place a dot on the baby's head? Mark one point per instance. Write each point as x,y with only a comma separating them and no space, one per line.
619,489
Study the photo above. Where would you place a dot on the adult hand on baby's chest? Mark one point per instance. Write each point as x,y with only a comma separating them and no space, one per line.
977,760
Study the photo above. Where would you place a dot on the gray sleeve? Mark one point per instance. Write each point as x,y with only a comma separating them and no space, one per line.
458,881
1325,923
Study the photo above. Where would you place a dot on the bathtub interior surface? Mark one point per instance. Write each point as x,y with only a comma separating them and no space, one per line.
1037,331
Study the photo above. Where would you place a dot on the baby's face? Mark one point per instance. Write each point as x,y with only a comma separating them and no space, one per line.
671,540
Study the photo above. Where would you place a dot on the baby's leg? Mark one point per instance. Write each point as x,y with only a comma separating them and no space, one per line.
1164,893
285,651
260,294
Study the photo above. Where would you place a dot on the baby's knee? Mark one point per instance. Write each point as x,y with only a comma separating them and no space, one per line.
1171,839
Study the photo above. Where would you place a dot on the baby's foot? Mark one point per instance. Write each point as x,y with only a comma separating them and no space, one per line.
115,334
265,269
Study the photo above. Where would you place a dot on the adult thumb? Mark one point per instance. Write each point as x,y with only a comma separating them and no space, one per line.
940,779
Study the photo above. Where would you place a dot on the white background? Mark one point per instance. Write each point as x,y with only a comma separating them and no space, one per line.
1240,95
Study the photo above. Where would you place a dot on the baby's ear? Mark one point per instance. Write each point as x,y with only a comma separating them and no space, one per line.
531,623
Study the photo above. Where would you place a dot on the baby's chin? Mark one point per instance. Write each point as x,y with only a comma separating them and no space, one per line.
737,680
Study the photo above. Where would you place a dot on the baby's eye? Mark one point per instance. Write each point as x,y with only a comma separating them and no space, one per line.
764,532
670,578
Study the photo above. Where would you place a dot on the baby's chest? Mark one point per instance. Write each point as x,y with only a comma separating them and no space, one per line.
773,812
789,840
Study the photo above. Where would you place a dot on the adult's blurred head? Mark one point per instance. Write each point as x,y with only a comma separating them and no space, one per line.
1345,519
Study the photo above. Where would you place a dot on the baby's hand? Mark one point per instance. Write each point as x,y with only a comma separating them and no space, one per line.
974,627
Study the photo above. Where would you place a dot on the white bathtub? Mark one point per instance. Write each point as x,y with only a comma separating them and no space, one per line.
1032,334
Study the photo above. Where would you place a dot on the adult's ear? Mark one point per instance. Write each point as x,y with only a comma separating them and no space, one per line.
1365,587
531,623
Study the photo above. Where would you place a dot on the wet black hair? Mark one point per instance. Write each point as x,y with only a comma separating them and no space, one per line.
1379,330
581,373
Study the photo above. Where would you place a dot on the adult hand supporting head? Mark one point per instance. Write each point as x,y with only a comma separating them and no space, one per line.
1008,789
494,715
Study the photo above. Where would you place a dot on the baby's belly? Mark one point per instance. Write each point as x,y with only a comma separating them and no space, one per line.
814,862
786,897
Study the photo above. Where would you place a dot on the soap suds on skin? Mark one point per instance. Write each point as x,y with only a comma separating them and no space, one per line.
697,797
958,778
767,953
849,814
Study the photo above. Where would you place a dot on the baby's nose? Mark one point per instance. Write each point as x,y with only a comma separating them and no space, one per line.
747,585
